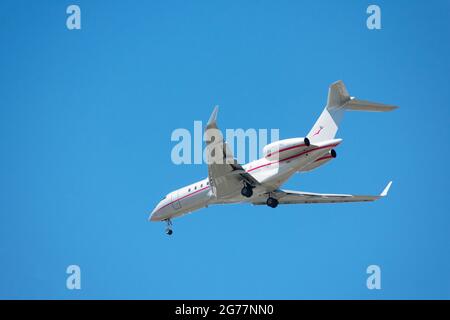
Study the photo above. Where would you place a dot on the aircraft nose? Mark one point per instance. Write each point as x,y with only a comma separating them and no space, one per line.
153,215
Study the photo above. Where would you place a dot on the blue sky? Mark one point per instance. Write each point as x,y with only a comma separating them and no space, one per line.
85,124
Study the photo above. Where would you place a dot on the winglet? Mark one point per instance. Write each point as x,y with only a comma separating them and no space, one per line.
213,118
386,190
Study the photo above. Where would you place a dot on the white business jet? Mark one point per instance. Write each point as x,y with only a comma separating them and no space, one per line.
259,182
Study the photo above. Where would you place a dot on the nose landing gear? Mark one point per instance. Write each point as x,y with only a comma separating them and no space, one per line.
169,230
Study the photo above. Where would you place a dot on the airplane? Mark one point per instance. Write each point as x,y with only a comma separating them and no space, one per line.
259,182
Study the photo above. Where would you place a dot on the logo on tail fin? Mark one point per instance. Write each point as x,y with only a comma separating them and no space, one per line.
318,131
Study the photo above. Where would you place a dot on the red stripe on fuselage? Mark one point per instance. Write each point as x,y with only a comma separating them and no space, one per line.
324,158
294,156
285,149
188,195
264,165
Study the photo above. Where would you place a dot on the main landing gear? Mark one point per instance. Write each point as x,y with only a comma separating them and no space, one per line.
272,202
247,191
169,230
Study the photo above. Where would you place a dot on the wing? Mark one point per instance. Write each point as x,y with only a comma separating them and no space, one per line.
294,197
226,175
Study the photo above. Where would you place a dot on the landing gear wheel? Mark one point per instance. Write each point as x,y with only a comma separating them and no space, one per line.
272,202
247,191
169,231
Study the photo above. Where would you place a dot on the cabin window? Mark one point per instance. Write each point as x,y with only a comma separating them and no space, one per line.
195,188
189,190
207,183
201,186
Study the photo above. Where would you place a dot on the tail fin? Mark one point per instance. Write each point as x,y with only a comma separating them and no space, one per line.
338,101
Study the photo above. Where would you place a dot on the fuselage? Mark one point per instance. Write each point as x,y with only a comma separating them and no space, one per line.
274,169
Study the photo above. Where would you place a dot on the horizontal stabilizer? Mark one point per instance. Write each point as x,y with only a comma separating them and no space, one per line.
363,105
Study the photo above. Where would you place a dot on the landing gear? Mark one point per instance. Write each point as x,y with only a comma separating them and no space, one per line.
272,202
169,230
247,191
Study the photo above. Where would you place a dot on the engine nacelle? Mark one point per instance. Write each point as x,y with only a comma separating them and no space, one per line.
285,148
321,161
333,153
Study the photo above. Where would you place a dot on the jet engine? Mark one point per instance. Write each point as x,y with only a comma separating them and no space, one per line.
285,148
